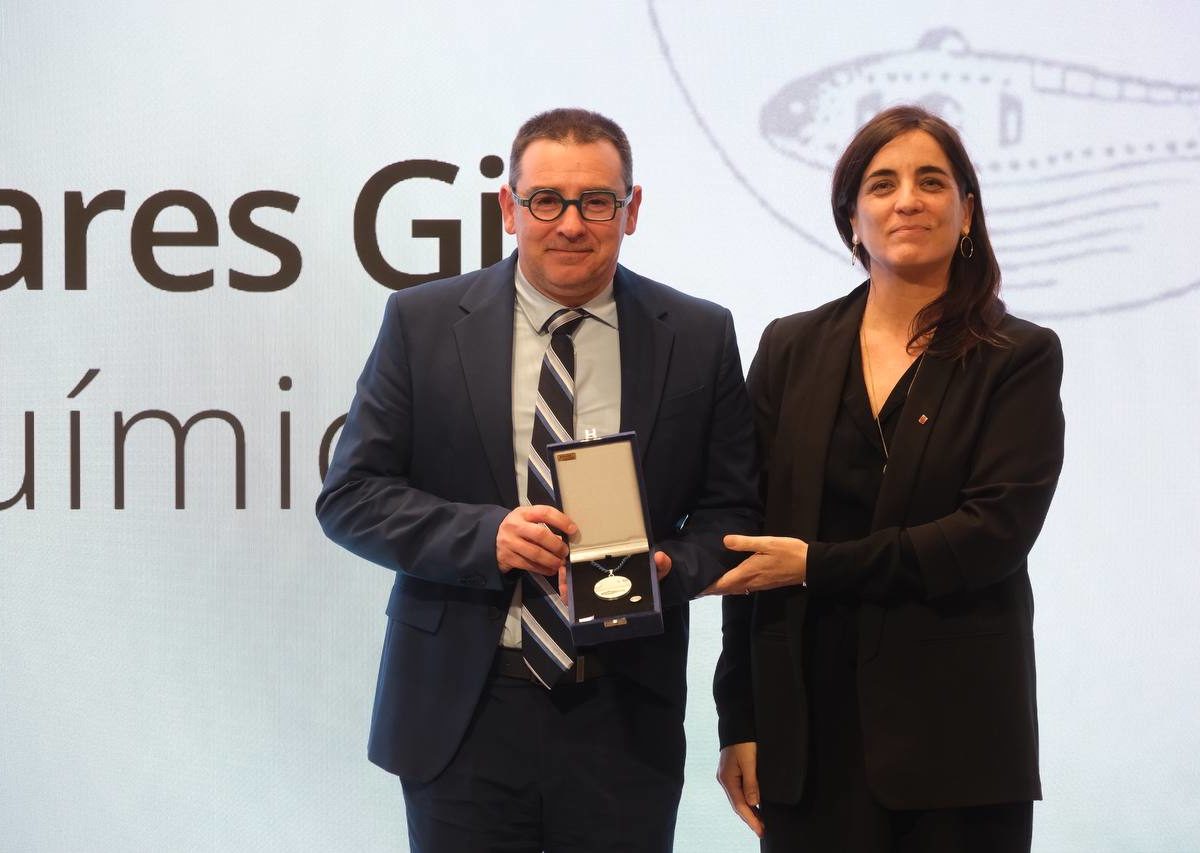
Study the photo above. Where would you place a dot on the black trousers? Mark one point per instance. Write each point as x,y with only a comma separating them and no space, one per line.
1005,828
596,766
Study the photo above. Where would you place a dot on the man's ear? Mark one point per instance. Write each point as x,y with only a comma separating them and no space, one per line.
508,209
631,210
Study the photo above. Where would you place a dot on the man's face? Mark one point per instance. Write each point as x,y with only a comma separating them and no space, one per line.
571,259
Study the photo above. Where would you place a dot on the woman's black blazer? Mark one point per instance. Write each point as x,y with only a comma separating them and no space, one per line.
946,685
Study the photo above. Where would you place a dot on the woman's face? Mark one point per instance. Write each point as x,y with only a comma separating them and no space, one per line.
910,211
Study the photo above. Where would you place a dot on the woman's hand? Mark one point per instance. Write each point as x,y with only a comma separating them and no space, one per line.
776,561
737,771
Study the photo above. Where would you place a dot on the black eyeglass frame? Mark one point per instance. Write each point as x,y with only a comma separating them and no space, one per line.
564,203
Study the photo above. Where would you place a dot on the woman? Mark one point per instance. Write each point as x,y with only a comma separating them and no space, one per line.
876,686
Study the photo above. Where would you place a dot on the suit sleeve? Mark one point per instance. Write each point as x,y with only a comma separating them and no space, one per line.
727,500
368,504
732,682
1018,457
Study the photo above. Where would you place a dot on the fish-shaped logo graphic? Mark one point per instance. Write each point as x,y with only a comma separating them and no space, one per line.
1086,176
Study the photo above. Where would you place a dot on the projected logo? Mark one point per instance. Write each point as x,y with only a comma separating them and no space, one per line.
1089,178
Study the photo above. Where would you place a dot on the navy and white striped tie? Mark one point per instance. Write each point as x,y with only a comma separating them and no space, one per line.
546,642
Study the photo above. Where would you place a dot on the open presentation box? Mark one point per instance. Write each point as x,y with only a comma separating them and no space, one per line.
612,583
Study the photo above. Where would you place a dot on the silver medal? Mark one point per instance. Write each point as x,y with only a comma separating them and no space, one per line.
613,587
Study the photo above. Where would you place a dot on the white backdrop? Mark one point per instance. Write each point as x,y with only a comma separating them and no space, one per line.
201,678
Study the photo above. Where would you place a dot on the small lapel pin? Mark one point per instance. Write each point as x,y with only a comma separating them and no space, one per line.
924,419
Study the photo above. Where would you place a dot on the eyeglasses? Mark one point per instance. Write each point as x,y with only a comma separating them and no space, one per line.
593,205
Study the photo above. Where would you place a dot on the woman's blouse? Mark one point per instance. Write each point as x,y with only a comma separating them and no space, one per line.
848,560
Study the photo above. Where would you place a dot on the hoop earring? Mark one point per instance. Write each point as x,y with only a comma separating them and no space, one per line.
853,248
966,247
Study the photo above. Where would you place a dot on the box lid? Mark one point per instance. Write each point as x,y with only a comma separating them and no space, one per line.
600,490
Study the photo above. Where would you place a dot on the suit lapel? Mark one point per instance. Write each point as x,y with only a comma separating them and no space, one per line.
485,340
813,405
645,343
907,448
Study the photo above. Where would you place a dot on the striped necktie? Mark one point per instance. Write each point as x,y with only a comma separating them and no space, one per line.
546,642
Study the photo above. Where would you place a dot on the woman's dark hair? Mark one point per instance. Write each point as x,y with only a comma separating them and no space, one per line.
970,310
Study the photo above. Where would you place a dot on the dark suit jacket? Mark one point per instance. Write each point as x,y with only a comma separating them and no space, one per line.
945,658
423,475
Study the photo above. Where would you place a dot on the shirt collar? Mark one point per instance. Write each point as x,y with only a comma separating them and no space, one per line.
538,308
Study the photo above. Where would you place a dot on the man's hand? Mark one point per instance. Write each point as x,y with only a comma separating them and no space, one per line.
662,563
525,540
777,561
737,771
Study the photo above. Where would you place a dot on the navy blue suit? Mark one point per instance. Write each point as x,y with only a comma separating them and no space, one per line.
423,475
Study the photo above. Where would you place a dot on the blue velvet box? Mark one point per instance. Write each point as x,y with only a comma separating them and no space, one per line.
612,584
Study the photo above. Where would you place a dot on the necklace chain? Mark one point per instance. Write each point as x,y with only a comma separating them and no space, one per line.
862,339
613,570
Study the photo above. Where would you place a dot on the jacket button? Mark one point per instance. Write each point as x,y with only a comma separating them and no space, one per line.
494,613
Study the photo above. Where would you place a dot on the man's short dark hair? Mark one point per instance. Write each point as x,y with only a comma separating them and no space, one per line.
568,124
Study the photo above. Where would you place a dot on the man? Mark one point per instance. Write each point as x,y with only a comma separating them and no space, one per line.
436,476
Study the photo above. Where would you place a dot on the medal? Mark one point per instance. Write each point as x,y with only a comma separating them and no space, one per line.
613,586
